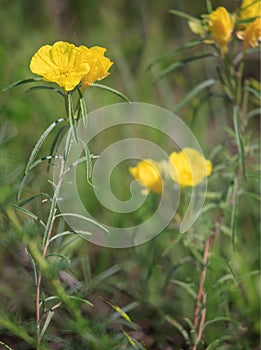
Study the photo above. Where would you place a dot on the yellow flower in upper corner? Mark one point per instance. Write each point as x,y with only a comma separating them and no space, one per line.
99,65
221,25
251,35
62,63
188,167
147,172
249,9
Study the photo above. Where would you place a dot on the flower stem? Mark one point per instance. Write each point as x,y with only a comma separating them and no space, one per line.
44,253
200,307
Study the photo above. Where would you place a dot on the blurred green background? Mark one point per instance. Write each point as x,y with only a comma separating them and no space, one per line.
134,33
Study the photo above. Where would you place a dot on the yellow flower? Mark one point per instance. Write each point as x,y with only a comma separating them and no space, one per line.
221,26
251,35
63,63
249,9
147,172
99,65
188,167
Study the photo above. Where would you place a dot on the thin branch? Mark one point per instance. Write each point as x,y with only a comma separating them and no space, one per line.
200,307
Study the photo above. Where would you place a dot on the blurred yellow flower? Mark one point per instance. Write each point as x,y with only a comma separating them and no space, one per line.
221,25
147,172
249,9
99,65
63,63
251,35
188,167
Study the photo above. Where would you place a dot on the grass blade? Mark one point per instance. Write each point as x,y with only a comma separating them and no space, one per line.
179,64
21,82
27,212
84,218
44,87
113,91
234,213
40,142
191,43
46,323
195,91
24,202
183,15
239,139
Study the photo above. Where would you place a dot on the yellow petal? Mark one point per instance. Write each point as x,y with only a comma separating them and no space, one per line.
147,173
188,167
63,63
221,25
99,65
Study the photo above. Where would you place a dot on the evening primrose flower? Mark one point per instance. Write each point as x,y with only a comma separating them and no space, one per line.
221,25
188,167
147,172
251,35
99,65
62,63
249,9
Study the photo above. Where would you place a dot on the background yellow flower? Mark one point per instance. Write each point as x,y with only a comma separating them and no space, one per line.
99,65
251,35
188,167
148,174
249,9
221,26
63,63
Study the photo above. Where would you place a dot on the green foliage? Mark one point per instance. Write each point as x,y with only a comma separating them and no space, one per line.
142,297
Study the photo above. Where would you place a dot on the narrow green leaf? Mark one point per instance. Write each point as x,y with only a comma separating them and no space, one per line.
55,143
39,161
21,186
179,64
130,340
40,142
47,321
254,112
83,108
209,6
50,220
66,233
239,139
59,256
183,15
67,145
216,343
27,200
44,87
84,218
188,287
71,116
179,327
189,44
115,92
233,222
27,212
88,161
253,91
5,346
21,82
194,92
33,265
104,275
72,297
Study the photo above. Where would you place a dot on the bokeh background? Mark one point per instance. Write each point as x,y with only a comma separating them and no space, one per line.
135,33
